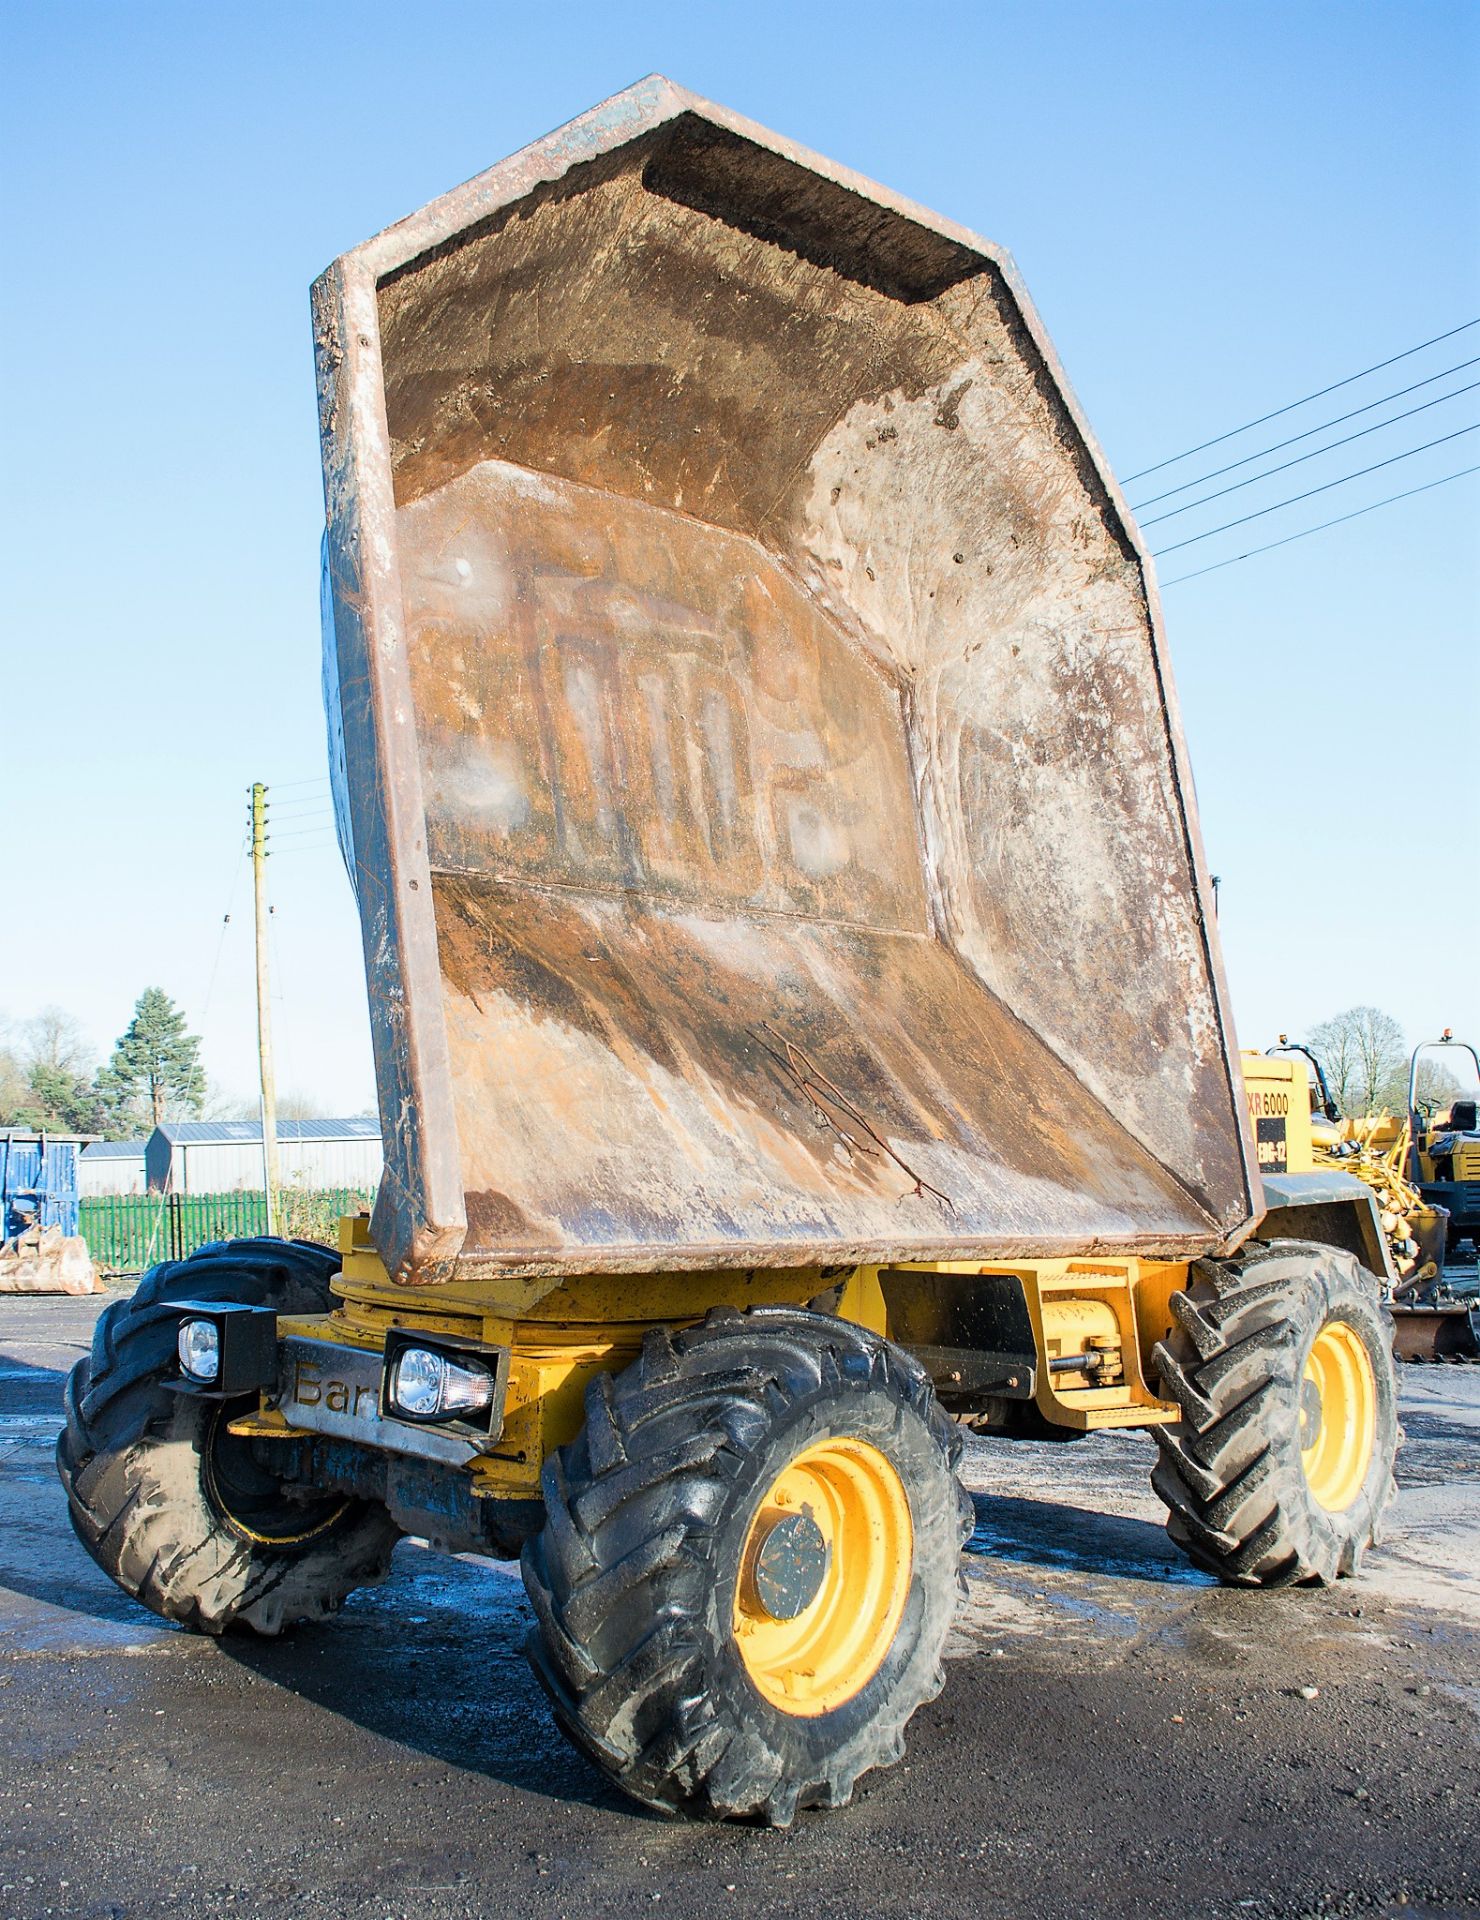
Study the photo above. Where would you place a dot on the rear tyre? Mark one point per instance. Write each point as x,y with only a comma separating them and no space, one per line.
749,1564
184,1515
1281,1467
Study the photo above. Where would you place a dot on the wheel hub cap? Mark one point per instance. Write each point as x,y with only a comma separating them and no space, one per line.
789,1566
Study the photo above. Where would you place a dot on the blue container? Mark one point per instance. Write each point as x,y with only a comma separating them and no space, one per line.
38,1181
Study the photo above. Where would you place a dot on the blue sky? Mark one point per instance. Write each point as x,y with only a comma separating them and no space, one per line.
1218,209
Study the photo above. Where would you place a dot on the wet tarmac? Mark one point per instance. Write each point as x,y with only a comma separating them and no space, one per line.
1118,1735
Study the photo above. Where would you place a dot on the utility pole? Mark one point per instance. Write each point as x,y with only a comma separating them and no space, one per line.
264,1010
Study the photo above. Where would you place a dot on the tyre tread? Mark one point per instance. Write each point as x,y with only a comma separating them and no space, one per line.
617,1579
116,1409
1237,1501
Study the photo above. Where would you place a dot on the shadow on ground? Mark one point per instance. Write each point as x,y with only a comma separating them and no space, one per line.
434,1661
1048,1533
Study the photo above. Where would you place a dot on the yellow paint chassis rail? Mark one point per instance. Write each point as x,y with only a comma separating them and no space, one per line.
1111,1309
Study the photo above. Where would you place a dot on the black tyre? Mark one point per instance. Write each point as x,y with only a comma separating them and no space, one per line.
1281,1467
182,1514
749,1564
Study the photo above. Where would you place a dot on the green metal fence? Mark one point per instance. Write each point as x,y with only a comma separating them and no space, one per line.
127,1232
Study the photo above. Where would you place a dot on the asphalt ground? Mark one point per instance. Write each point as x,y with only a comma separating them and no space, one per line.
1118,1735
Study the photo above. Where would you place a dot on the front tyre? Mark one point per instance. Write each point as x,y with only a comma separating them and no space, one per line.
184,1515
1281,1466
749,1564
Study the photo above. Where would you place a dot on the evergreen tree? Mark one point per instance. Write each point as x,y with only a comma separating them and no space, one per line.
57,1100
155,1066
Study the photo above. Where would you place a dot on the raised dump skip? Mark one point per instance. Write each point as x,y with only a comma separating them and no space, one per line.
763,790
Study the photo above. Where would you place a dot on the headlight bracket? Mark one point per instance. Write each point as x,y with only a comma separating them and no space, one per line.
247,1343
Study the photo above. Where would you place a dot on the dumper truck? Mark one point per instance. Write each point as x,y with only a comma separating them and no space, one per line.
799,1026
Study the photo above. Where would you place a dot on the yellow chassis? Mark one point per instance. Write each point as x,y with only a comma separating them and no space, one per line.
596,1323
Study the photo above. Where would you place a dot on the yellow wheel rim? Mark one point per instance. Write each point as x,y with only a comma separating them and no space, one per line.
1338,1416
824,1577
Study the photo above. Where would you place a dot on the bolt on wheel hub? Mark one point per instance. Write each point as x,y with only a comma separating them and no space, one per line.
824,1577
790,1565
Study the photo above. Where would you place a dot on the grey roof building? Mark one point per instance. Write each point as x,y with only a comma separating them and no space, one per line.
111,1166
225,1156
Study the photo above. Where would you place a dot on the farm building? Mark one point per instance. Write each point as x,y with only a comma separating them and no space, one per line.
110,1166
225,1156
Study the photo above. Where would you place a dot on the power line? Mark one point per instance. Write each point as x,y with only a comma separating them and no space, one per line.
221,936
1314,454
1320,394
1427,487
1295,438
306,846
1310,492
281,997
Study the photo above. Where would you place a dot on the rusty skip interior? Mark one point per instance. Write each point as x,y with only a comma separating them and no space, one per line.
812,870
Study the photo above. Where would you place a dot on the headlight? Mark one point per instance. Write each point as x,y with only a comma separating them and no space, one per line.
199,1347
225,1349
427,1385
417,1383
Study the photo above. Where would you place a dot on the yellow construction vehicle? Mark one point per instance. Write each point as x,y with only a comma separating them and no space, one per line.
1436,1314
798,1020
1444,1143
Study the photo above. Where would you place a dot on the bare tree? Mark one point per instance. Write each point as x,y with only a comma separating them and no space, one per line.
1435,1086
53,1039
14,1085
1365,1059
295,1105
299,1105
46,1076
220,1103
